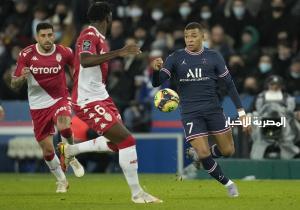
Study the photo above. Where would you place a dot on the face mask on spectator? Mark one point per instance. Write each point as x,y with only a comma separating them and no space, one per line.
250,90
136,12
157,14
184,11
205,15
58,35
205,44
295,75
62,16
277,9
264,67
239,11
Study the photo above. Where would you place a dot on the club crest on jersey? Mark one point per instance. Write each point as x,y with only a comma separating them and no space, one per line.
58,57
86,45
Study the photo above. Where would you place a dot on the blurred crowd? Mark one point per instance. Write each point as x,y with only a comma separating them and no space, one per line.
257,38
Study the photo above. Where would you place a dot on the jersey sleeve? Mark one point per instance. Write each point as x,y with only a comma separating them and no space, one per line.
21,63
88,43
221,69
164,73
223,73
69,55
168,66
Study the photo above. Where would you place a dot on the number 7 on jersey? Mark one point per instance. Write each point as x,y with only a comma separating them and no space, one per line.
190,124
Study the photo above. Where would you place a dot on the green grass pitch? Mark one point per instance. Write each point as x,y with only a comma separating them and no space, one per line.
109,191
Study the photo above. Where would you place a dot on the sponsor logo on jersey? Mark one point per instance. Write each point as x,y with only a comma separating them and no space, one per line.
58,57
193,75
34,58
183,62
86,45
45,70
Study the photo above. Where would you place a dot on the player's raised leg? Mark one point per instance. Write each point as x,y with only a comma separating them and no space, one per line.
53,163
212,167
99,144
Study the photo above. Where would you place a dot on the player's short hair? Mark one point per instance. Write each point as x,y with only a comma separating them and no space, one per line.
43,25
98,11
194,25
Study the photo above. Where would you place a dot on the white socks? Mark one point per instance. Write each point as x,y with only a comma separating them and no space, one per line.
96,145
229,183
129,165
55,168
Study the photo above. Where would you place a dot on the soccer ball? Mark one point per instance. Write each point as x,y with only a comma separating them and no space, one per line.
166,100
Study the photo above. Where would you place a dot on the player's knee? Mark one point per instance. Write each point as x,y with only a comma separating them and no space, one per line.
126,142
228,151
63,122
48,152
66,132
203,152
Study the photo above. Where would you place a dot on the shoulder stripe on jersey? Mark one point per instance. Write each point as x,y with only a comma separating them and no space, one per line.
224,74
166,71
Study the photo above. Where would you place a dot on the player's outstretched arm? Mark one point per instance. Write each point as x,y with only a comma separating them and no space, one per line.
89,60
157,78
17,82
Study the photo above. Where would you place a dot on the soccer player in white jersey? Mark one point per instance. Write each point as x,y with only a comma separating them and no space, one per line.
93,105
42,66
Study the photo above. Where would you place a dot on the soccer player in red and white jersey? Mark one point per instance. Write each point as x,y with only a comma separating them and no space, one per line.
42,66
93,105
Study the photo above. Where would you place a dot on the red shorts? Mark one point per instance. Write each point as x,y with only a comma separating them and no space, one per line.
45,119
99,115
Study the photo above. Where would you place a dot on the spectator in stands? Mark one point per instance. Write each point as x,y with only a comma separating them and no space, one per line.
117,38
204,15
221,42
122,79
6,9
238,18
7,93
137,17
251,86
283,58
62,21
21,17
237,70
249,49
275,21
293,78
178,39
185,13
143,39
264,69
39,15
